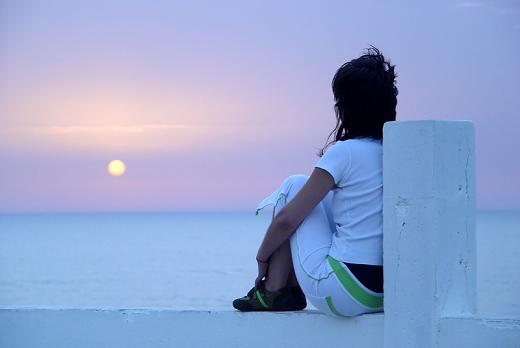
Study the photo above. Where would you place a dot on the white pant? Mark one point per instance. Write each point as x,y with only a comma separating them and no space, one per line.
328,284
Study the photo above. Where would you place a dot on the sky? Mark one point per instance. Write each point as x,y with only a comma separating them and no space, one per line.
212,104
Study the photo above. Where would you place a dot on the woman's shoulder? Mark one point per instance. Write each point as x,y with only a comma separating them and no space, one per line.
345,148
358,142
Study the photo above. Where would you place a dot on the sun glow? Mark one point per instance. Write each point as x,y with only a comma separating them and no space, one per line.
116,168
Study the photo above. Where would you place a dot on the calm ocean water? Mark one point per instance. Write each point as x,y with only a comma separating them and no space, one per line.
186,260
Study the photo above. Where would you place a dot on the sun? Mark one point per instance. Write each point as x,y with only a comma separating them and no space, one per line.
116,168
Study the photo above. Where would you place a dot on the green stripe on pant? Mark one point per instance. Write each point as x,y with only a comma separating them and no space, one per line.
353,288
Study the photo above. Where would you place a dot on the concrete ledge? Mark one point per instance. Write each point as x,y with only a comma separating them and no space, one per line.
479,332
80,328
169,328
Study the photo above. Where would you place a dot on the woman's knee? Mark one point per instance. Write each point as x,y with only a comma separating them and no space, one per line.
296,181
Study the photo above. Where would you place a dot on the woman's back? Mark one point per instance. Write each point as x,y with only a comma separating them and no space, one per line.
356,166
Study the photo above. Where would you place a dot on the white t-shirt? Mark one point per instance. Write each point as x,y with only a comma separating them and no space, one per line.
356,166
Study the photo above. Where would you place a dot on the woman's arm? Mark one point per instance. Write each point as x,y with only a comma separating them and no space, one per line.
294,212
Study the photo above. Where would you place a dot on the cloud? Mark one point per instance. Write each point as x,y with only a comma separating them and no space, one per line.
97,129
119,137
490,7
469,4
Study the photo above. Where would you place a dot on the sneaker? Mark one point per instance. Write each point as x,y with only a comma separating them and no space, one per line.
300,302
260,299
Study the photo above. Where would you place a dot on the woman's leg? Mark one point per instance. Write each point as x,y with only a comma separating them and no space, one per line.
281,270
309,246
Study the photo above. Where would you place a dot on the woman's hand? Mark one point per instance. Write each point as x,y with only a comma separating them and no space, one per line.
263,266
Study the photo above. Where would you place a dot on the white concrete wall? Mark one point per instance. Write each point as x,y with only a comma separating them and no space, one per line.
429,228
475,332
77,328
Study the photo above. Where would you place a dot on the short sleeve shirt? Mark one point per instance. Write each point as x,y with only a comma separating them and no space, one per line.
356,166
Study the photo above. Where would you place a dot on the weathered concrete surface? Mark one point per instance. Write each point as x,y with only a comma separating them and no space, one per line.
474,332
429,228
114,328
82,328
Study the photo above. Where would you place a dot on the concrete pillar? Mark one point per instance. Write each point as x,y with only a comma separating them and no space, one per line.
429,228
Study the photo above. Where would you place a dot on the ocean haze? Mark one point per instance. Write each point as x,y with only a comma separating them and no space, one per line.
186,260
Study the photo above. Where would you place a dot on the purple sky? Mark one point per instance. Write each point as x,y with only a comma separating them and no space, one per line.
212,104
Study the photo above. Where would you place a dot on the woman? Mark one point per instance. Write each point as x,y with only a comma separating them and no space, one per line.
325,238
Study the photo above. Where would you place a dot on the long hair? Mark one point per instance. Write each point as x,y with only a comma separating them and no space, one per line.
366,97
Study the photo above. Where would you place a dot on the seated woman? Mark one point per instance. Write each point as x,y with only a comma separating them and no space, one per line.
325,240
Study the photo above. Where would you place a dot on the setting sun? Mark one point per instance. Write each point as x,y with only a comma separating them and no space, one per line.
116,168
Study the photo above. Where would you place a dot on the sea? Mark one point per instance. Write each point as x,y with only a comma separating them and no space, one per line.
187,260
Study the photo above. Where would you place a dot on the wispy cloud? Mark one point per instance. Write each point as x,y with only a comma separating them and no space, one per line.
76,129
490,7
469,4
131,137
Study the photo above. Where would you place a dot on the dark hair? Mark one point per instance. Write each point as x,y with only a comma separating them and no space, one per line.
366,97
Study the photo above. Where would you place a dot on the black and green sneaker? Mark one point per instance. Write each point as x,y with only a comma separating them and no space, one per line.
261,299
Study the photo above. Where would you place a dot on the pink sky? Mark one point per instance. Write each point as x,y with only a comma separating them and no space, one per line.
212,104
